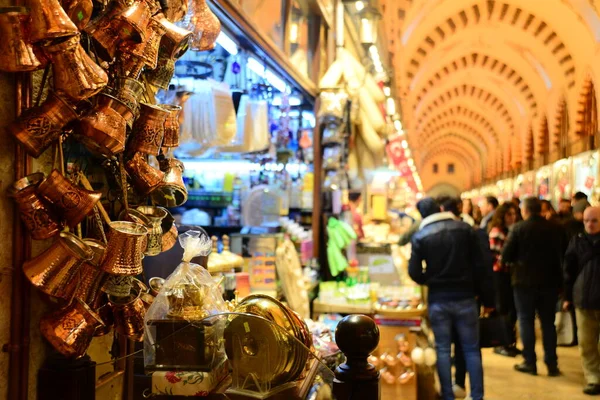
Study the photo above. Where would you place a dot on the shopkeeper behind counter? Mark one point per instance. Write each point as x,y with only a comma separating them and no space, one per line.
355,199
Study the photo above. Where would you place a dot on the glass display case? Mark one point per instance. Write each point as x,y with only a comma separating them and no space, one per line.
585,174
542,182
561,180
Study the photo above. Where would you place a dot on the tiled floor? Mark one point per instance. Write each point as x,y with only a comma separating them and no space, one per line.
503,383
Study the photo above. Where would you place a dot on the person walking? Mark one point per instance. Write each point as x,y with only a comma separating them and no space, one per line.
582,273
487,210
504,219
534,250
447,257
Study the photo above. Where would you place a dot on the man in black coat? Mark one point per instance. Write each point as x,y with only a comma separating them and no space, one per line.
582,274
535,250
447,257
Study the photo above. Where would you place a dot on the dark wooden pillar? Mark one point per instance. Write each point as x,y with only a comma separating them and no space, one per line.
357,336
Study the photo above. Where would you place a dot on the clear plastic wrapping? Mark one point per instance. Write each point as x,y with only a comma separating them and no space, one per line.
179,336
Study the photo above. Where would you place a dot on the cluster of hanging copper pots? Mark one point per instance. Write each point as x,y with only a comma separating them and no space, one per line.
98,95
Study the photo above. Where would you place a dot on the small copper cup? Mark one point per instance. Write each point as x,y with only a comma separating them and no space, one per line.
126,244
104,129
38,127
155,216
144,177
147,50
148,130
80,11
172,191
171,137
53,270
72,202
161,76
70,330
16,53
75,74
49,21
205,27
38,217
89,279
175,41
129,315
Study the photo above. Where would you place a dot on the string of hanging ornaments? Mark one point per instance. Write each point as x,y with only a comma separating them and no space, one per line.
103,62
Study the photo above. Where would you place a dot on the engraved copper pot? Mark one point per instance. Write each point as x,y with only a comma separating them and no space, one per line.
104,129
16,53
148,130
205,27
144,177
129,91
161,76
72,202
171,137
155,217
37,216
128,65
147,50
175,41
126,244
76,75
129,315
105,29
70,330
38,127
49,21
136,16
89,279
172,191
80,11
52,271
174,10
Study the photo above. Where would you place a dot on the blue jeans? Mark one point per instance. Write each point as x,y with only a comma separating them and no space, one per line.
462,316
543,301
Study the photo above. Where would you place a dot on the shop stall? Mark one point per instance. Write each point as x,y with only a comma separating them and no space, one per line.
562,180
542,182
585,174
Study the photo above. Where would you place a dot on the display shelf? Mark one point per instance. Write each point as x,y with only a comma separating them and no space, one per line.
320,307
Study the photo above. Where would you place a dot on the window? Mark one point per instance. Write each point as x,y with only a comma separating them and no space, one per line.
435,168
451,168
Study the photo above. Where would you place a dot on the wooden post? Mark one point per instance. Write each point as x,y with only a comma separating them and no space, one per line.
357,336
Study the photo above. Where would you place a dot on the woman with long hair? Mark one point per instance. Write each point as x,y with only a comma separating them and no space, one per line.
504,218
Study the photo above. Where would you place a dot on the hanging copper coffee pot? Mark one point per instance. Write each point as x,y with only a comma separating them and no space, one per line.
104,129
16,52
163,73
89,279
80,11
205,26
75,74
72,202
126,244
155,217
172,191
147,50
53,270
49,21
137,16
129,315
148,130
129,91
171,137
38,217
70,330
144,177
175,41
38,127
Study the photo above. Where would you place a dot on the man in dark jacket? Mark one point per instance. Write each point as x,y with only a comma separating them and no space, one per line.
447,257
582,274
535,250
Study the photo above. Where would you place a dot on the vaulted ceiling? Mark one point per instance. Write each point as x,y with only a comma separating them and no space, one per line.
485,85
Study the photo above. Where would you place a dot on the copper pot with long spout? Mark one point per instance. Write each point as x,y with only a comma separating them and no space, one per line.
16,52
53,270
38,127
72,202
37,216
75,74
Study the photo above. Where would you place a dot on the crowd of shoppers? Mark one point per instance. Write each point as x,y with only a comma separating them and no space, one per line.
515,260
